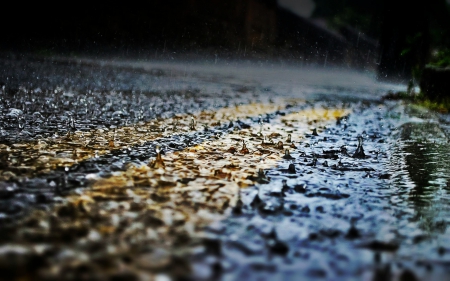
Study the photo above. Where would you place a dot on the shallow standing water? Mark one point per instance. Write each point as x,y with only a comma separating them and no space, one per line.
361,193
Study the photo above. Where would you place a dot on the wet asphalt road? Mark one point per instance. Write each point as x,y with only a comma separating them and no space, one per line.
342,211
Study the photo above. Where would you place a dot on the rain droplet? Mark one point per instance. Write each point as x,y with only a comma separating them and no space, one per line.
285,186
21,122
256,202
244,149
280,145
263,138
300,188
289,138
314,161
377,152
232,150
343,150
192,124
260,125
158,162
359,153
72,123
175,125
237,209
291,168
364,134
287,155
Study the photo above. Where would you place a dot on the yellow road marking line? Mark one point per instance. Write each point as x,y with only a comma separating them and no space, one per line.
34,158
164,208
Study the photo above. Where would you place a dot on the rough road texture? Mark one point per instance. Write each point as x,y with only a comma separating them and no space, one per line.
361,194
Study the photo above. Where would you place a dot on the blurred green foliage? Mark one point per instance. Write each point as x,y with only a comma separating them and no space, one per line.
441,58
441,106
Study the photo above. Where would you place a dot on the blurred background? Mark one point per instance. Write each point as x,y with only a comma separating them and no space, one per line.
394,38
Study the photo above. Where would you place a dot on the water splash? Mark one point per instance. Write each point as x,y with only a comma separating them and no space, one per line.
289,138
359,153
244,149
287,155
192,124
280,145
314,133
21,122
158,162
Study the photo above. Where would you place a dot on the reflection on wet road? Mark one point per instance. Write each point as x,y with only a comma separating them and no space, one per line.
140,171
342,218
423,177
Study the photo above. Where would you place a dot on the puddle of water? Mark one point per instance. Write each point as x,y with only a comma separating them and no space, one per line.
350,219
321,215
423,174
